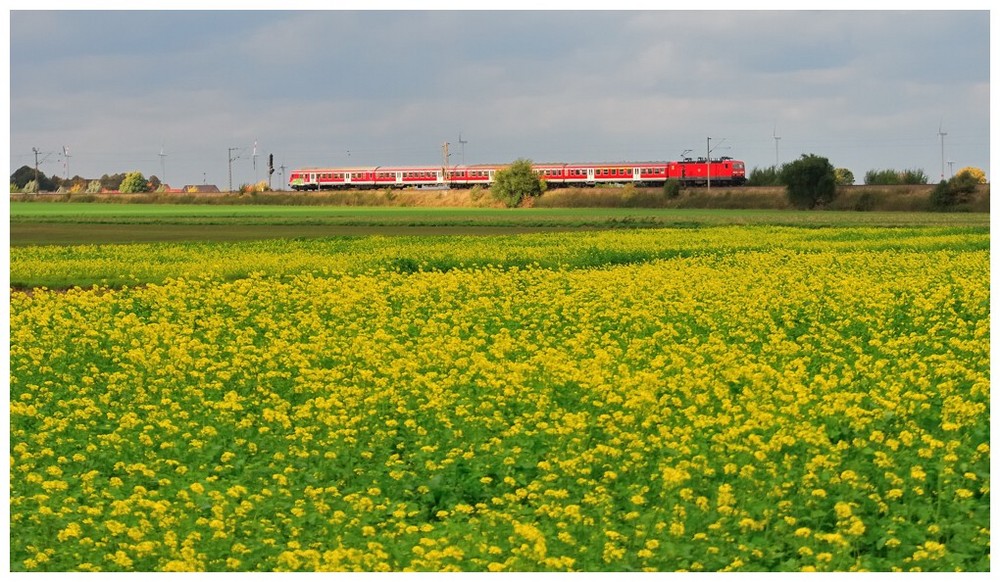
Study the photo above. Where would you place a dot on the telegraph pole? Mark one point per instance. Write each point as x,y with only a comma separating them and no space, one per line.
708,165
445,155
231,158
36,164
67,156
462,143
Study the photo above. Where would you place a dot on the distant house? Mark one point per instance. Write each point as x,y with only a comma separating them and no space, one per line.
202,189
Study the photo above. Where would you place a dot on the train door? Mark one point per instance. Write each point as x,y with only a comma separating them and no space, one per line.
590,174
635,174
347,178
491,176
399,178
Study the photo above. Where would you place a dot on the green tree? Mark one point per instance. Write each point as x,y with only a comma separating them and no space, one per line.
810,181
770,176
844,176
949,193
895,177
513,184
134,182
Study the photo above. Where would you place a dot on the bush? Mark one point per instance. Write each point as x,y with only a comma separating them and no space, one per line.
516,182
94,187
809,181
672,189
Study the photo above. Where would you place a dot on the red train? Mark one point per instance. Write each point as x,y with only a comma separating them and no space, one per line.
690,172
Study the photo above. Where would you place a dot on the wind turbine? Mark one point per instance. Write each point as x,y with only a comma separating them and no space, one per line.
774,134
942,134
163,164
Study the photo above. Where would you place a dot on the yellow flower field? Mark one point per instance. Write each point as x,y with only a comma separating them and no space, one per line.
781,399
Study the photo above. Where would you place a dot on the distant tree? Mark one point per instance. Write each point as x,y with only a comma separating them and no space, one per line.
94,187
133,182
895,177
22,176
770,176
79,180
112,182
976,173
513,184
915,177
844,177
154,183
810,181
26,174
949,193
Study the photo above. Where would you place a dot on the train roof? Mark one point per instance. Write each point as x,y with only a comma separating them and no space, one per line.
433,167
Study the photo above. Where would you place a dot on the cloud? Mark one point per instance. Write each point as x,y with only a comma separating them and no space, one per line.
392,86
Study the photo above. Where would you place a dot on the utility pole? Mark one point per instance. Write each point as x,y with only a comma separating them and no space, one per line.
231,158
951,168
36,164
255,162
708,165
445,155
462,143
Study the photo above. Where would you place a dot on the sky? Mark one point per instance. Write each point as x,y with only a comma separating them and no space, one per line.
178,93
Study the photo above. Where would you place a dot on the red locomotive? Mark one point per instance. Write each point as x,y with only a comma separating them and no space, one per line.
689,172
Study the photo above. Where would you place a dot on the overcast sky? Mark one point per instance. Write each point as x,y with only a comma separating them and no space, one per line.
866,89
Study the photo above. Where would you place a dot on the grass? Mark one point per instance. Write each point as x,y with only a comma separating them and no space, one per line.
88,223
64,266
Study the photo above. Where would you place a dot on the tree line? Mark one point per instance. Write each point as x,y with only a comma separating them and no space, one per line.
24,180
771,176
810,182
